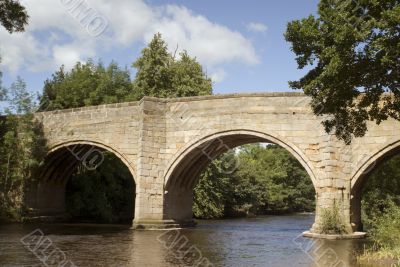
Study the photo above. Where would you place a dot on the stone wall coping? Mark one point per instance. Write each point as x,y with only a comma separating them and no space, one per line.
223,96
173,100
88,108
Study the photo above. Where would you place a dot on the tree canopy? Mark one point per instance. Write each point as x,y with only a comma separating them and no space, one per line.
86,84
352,54
160,74
265,180
13,16
22,149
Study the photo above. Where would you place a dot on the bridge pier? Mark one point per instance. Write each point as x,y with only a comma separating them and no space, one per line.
328,200
164,211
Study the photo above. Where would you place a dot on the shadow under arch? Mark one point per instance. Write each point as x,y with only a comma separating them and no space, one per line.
96,144
360,177
47,199
188,163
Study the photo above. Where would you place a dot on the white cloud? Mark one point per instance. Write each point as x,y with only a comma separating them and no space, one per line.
257,27
58,34
211,43
67,55
218,75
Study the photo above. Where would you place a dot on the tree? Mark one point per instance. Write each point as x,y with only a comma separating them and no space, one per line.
22,149
3,91
381,188
265,180
21,101
188,78
352,51
13,16
153,77
159,74
104,194
213,191
86,84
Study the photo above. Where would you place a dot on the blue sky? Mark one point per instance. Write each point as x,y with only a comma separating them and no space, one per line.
239,43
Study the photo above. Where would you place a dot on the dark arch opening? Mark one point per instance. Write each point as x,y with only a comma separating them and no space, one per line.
378,180
184,175
84,183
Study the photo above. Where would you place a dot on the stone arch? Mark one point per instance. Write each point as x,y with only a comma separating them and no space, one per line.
48,196
97,144
370,163
361,176
245,137
188,163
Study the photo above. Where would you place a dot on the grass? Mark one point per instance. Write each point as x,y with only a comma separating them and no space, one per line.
385,234
379,256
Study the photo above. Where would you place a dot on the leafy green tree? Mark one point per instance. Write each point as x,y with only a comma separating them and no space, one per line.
282,183
382,187
381,210
3,91
266,180
153,76
159,74
86,84
351,51
188,78
105,194
13,16
22,150
212,192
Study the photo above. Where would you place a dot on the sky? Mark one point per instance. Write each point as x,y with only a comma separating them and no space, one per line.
239,43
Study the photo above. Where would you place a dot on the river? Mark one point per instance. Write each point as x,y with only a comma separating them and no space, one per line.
261,241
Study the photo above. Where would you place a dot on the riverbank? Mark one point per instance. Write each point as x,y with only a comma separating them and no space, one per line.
380,257
244,215
384,229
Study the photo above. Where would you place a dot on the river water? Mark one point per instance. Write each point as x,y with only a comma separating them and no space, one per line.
261,241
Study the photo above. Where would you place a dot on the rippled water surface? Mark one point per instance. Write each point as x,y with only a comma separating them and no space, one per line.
262,241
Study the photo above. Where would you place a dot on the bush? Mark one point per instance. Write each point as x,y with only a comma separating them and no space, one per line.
385,230
332,222
385,234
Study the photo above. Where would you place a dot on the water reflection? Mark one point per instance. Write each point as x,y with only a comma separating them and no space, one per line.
263,241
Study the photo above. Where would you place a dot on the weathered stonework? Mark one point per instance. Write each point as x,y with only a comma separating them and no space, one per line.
166,143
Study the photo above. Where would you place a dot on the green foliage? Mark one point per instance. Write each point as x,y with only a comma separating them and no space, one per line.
87,84
3,91
213,191
386,227
13,16
159,74
353,47
22,150
265,180
331,220
105,194
381,211
382,187
385,233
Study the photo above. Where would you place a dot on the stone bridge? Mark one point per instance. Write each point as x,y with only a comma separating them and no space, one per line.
166,143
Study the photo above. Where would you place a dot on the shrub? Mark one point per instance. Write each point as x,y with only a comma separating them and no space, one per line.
332,222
